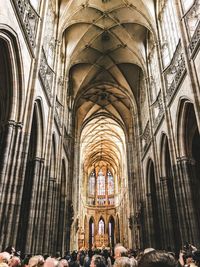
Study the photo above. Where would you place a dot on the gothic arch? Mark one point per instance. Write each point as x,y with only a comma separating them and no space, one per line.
111,231
172,239
11,74
153,205
11,87
91,231
39,113
186,127
32,173
103,229
188,139
117,229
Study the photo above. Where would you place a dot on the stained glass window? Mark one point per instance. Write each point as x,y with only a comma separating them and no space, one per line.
110,184
101,227
92,184
101,184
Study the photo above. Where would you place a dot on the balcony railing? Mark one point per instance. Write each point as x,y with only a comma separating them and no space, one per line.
46,75
175,72
29,19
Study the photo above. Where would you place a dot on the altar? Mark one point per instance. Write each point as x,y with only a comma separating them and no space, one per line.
101,240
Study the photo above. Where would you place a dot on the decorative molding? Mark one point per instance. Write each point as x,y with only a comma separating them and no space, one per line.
158,110
146,137
195,41
57,118
29,19
46,75
175,72
192,18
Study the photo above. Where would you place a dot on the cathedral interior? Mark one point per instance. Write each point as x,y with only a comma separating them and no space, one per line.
99,124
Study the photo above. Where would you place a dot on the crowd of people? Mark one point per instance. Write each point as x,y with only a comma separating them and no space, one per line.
119,257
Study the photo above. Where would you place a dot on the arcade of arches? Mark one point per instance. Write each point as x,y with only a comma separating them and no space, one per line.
99,124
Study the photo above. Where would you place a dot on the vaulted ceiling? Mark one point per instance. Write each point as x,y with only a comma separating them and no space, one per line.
105,44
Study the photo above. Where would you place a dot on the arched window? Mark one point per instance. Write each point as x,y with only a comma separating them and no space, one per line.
110,184
49,37
101,227
101,186
169,30
92,184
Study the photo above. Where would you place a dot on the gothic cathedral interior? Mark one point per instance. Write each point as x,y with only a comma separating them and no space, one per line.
99,124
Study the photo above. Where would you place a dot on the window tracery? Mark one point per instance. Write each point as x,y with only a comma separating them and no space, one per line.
49,38
169,30
101,188
101,227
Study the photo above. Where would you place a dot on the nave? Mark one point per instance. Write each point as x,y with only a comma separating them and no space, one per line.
99,125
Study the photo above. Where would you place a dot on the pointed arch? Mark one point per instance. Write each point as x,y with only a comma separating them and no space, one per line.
168,196
91,231
111,231
11,88
117,229
186,127
188,139
101,226
11,73
31,179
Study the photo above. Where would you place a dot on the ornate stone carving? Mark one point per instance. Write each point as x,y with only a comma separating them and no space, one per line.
195,40
146,137
57,118
158,110
29,19
192,17
175,72
58,113
46,75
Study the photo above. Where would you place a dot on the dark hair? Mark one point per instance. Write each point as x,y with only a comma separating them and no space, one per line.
196,257
157,259
99,261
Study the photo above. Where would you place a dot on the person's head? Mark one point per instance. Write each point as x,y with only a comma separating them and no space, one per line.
15,261
5,257
98,261
36,261
11,250
51,262
122,262
63,263
147,250
188,258
157,259
120,251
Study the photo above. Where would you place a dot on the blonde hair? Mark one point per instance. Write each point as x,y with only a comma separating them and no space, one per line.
36,260
122,262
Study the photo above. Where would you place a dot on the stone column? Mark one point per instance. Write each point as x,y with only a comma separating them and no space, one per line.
47,248
184,190
9,183
167,236
32,230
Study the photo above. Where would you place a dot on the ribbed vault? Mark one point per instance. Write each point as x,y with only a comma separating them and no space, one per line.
104,44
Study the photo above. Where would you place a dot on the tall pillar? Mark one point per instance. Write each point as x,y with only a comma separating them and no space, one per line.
188,221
